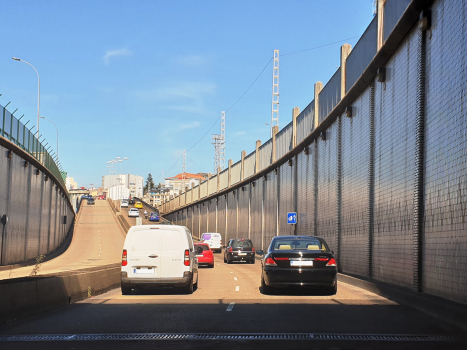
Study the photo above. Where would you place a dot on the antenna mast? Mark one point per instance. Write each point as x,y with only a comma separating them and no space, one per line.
275,91
184,169
218,141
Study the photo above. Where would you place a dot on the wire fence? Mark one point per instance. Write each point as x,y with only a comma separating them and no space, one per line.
14,130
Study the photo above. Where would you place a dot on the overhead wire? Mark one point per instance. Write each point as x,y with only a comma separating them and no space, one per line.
251,85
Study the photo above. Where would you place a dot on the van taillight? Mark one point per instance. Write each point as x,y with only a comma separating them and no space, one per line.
186,262
230,250
253,249
124,258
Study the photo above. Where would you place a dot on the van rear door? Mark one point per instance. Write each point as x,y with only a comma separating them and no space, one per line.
144,254
174,244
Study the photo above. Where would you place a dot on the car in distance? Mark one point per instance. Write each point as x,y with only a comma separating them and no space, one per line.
213,239
155,255
204,254
139,205
131,201
154,217
298,261
91,201
239,249
124,203
133,212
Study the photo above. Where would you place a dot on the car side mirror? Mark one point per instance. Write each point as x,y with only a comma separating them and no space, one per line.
260,252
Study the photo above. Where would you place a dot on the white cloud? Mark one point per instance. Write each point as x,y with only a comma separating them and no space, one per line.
183,96
190,125
114,53
193,60
240,133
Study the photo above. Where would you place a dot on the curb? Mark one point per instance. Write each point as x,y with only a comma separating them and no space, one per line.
26,296
446,310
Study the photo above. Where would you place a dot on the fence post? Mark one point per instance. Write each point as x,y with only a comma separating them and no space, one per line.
242,173
295,113
275,130
218,178
345,52
230,172
318,88
258,145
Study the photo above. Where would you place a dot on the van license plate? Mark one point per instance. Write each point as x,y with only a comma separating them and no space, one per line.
301,263
144,270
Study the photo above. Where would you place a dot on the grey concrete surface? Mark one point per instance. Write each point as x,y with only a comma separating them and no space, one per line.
352,310
97,241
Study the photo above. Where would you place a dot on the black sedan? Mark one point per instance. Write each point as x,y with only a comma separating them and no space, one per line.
239,249
298,261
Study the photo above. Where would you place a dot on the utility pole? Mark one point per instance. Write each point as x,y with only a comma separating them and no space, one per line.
275,92
184,170
218,141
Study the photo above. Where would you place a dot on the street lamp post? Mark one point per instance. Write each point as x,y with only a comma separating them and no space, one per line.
55,129
38,91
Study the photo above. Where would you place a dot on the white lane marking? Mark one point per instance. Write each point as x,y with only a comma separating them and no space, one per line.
237,288
230,307
235,278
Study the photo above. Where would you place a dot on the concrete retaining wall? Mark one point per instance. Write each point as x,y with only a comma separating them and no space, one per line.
26,296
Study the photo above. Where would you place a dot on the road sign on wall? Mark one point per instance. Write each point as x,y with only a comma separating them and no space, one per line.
291,218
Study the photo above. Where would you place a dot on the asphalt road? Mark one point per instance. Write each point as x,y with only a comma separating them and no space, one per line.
229,301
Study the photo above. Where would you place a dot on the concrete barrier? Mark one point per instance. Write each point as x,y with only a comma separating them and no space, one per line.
27,296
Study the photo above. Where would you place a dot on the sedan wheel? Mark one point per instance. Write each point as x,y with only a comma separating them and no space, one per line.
264,288
126,290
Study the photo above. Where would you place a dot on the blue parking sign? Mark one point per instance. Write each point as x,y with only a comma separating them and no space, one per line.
291,218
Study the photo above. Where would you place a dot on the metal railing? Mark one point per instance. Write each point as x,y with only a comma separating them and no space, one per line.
15,131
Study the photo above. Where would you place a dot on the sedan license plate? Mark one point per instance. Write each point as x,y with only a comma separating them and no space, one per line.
241,253
144,270
301,263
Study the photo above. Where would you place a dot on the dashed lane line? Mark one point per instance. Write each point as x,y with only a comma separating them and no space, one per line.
230,307
237,288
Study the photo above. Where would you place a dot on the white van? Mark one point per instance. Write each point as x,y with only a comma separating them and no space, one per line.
214,240
159,255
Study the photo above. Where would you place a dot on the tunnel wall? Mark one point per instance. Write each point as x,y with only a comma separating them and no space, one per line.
40,215
382,176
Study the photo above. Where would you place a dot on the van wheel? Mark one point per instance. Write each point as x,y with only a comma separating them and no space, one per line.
195,287
189,289
126,290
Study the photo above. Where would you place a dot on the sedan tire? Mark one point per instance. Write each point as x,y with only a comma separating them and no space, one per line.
264,288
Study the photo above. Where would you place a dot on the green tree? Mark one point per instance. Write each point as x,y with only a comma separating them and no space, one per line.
149,183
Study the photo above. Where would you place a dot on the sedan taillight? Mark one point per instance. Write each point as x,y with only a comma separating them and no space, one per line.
252,249
269,262
124,258
331,262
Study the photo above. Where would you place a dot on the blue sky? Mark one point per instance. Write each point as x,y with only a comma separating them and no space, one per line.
146,79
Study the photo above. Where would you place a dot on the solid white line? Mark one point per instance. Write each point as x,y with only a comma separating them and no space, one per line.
230,307
237,288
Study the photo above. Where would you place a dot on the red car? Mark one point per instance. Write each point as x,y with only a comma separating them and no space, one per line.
204,254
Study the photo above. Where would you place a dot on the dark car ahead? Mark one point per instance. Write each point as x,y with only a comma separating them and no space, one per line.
298,261
154,217
239,249
91,201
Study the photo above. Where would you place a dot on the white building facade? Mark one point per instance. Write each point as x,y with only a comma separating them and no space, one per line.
133,183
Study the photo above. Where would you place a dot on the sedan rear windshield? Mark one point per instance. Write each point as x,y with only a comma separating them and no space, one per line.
298,244
242,244
204,246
